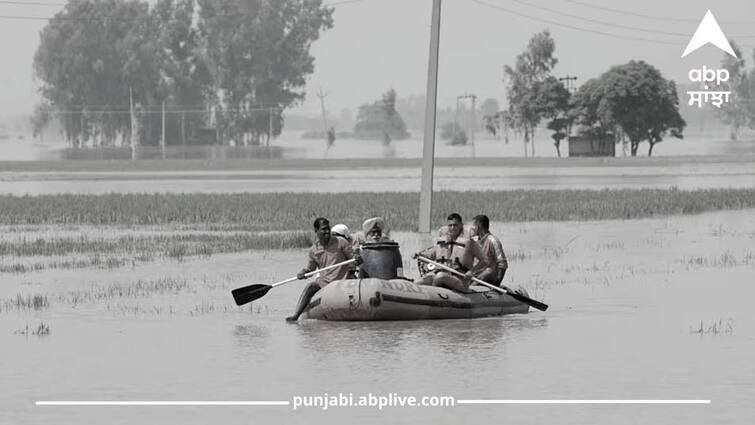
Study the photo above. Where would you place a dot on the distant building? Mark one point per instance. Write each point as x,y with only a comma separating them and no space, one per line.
585,146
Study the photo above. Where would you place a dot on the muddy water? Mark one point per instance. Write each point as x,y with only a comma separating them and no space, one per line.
645,309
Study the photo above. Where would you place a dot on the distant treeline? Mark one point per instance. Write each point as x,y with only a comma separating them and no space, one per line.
202,71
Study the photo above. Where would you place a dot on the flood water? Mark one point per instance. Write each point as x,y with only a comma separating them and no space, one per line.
683,176
644,309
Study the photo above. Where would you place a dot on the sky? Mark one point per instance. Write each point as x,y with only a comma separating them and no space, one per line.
380,44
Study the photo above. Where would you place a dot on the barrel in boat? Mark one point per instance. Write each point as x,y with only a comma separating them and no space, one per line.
399,299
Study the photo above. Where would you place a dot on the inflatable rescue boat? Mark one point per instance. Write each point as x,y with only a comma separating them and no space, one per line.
379,293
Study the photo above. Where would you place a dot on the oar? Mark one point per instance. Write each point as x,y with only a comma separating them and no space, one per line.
252,292
519,297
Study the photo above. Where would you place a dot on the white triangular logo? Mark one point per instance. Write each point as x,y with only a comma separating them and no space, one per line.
709,32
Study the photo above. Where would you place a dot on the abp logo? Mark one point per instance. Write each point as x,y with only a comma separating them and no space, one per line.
709,32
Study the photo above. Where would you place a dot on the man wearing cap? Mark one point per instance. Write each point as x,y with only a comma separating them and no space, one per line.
341,231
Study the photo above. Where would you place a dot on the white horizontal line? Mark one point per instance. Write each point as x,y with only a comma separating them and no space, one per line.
583,401
161,403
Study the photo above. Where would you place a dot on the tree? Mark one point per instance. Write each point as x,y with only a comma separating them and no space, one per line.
452,131
551,100
230,55
183,73
492,123
376,120
532,66
590,113
84,72
644,104
258,54
490,118
41,118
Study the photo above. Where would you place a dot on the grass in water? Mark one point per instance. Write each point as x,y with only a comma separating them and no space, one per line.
714,328
25,302
41,330
295,211
208,224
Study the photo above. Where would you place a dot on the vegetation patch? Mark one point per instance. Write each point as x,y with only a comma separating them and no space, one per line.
295,211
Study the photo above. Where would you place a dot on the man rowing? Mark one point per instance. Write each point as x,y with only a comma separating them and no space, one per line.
326,251
455,251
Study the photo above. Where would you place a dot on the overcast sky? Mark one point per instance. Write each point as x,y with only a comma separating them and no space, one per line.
378,44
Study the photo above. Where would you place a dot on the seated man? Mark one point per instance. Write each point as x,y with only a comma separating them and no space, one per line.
382,255
374,230
491,247
326,251
455,251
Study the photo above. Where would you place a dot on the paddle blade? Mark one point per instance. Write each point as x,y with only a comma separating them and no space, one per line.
250,293
527,300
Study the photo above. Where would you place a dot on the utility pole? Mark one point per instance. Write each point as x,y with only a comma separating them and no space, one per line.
183,134
270,132
322,95
133,123
428,149
571,89
270,127
162,139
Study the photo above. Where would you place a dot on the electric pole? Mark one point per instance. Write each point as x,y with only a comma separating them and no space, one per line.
322,95
428,146
134,135
162,138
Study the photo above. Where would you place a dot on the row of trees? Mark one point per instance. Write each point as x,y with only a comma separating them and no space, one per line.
232,64
628,103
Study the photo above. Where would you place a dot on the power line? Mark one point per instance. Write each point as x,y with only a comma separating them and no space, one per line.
660,18
25,18
547,21
611,24
32,3
560,24
86,18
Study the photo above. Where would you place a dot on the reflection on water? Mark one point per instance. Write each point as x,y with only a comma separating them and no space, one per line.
380,338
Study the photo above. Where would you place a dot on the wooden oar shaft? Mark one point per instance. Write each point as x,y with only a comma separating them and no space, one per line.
312,273
522,298
458,273
252,292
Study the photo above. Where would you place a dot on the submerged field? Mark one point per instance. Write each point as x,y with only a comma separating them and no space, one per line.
669,296
117,230
543,256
